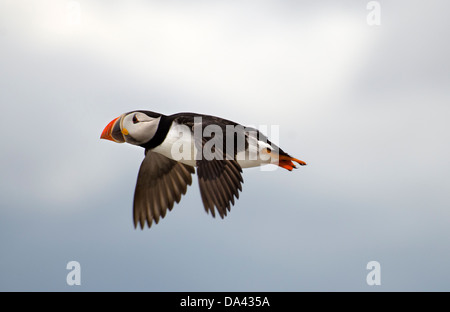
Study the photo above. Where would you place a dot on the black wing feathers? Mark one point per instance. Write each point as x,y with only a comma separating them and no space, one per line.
161,182
219,182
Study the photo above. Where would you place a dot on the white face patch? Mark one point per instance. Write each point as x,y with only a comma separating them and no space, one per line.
139,128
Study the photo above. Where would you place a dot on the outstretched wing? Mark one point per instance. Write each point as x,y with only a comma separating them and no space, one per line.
219,181
161,182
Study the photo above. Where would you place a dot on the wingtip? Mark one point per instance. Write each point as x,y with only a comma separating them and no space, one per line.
136,226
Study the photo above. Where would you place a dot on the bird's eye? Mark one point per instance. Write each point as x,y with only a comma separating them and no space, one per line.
268,150
135,120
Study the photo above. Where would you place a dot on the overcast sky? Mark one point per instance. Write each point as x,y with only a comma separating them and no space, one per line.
367,107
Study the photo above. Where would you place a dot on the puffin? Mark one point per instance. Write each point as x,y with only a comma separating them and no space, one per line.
178,145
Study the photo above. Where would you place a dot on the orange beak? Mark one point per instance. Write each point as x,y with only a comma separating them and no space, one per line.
112,131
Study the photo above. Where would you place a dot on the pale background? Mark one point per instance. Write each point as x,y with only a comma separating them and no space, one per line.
366,106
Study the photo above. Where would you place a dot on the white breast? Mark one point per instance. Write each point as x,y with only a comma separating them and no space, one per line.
178,145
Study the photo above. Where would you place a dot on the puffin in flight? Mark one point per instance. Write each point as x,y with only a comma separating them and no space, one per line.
176,144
